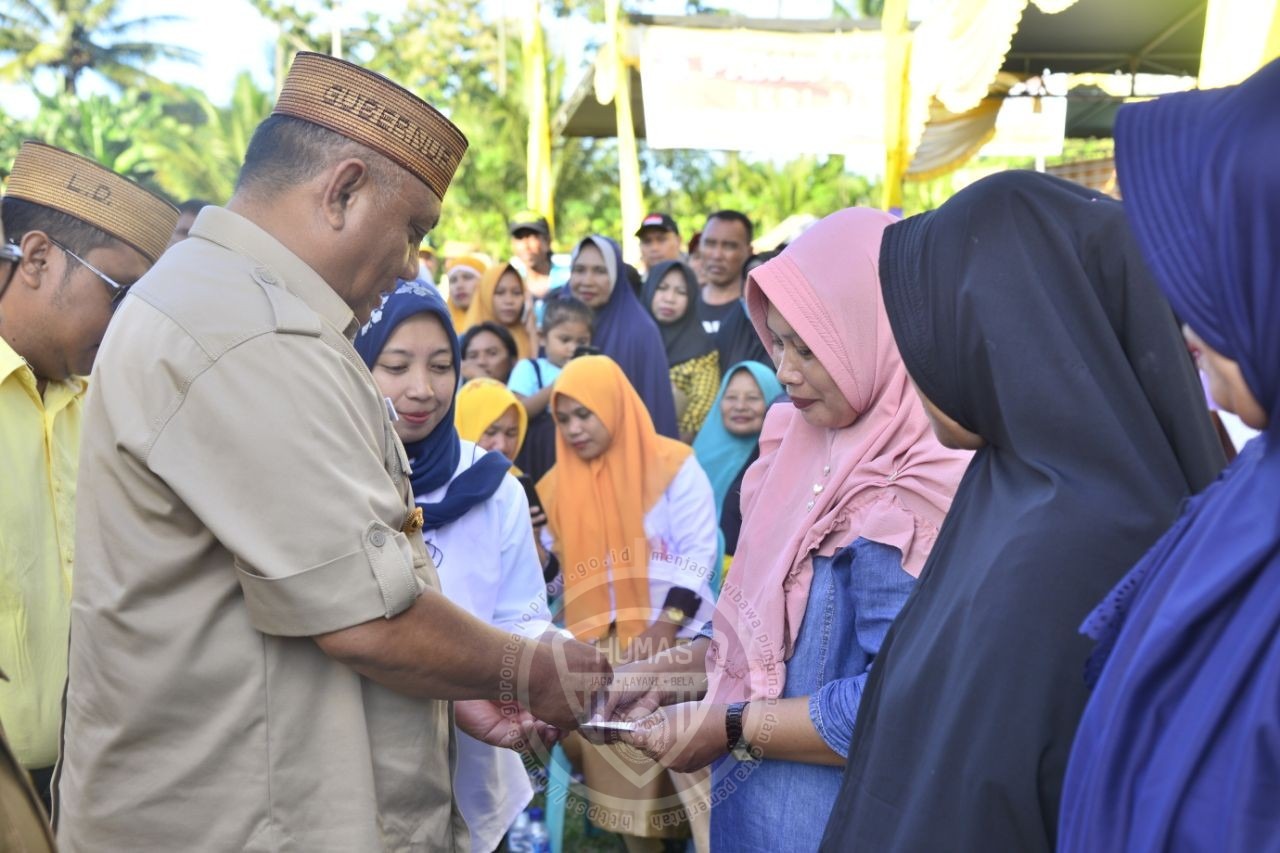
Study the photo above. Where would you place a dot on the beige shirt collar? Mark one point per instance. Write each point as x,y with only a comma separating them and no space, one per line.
245,237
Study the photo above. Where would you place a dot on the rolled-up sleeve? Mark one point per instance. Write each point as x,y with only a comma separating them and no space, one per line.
879,588
689,541
278,447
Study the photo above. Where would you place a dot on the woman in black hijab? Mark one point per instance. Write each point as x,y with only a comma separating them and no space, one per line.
1033,331
670,294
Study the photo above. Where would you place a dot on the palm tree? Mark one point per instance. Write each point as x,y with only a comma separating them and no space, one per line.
69,37
198,155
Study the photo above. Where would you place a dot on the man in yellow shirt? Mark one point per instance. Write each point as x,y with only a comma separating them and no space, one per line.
23,823
78,235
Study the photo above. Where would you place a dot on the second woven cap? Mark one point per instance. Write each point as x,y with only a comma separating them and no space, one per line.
370,109
94,194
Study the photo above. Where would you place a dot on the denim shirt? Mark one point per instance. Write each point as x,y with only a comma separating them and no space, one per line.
783,805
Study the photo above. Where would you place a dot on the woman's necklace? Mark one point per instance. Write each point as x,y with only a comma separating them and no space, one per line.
821,484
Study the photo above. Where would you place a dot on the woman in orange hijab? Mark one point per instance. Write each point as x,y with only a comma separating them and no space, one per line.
632,518
500,298
491,416
463,273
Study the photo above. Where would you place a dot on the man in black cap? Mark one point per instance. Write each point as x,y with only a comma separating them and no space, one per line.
531,245
659,240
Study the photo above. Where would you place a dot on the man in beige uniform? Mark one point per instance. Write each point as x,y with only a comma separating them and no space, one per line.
258,643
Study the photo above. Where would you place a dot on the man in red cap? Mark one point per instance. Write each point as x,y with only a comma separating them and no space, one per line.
659,240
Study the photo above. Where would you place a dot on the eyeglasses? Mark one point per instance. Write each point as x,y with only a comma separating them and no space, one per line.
12,253
117,289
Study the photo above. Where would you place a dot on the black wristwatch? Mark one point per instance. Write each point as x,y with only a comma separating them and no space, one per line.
680,605
738,746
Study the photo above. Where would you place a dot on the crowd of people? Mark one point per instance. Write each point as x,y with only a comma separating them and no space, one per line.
913,535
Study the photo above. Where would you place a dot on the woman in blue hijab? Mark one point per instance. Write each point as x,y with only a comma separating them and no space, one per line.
729,440
1179,746
476,521
623,329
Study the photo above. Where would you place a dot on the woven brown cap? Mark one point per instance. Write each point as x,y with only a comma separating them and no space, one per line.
87,191
370,109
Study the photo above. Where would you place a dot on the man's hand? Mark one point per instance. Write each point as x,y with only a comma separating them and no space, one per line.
639,689
566,681
683,737
503,724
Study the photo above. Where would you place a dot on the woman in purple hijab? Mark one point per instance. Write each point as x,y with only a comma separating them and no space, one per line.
624,330
1179,746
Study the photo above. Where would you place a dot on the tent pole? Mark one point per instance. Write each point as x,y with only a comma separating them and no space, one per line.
630,193
540,191
897,53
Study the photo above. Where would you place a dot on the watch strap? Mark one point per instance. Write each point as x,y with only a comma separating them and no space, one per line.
733,725
685,599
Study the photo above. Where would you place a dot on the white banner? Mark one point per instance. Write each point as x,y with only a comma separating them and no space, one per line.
774,92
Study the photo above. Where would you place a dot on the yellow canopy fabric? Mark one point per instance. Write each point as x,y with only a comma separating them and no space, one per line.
956,52
954,56
1240,36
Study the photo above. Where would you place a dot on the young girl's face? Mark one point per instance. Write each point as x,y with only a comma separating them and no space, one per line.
563,338
508,299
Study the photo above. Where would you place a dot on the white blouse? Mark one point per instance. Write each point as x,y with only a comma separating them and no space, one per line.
684,542
489,566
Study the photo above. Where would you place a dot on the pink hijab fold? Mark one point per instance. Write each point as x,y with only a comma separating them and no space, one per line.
890,481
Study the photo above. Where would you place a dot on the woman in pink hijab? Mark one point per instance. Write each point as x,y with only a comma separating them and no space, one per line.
839,514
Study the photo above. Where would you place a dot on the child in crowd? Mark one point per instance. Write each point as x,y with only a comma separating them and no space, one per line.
567,324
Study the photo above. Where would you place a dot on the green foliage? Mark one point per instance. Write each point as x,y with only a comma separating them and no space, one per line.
451,53
592,10
70,37
298,29
183,145
453,56
691,184
199,157
108,130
